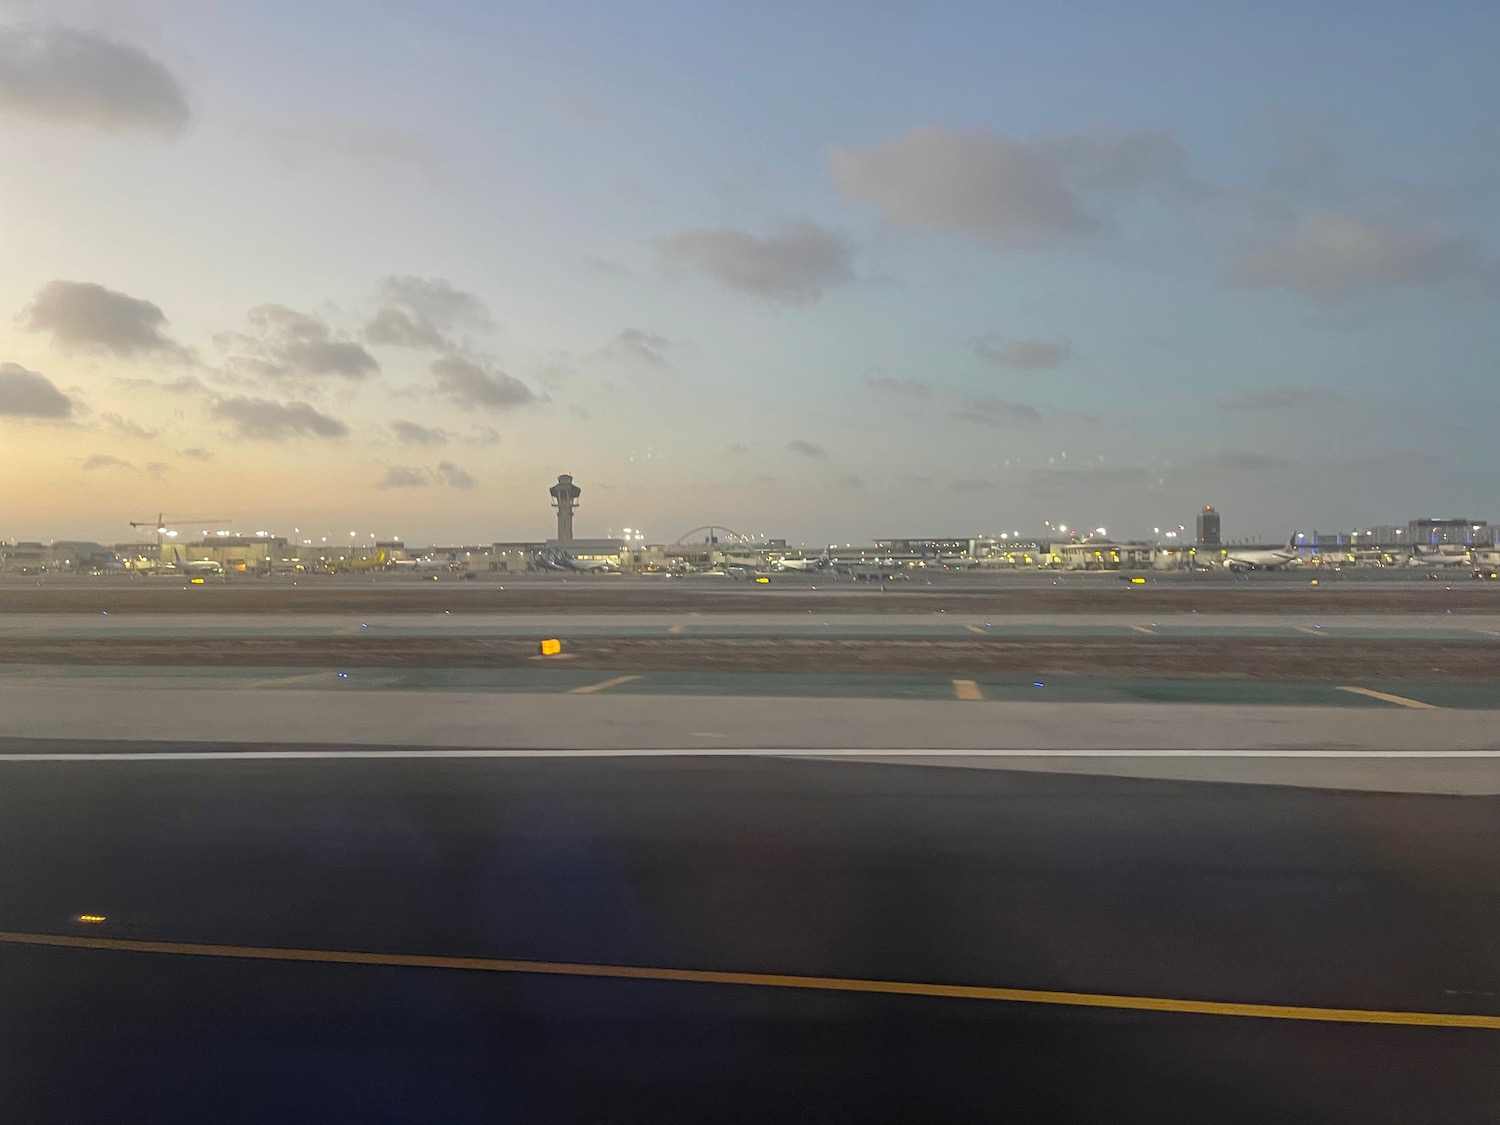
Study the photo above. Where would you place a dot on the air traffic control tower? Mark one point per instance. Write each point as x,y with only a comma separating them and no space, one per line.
565,498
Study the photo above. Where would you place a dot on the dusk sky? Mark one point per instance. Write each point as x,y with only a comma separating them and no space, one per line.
824,270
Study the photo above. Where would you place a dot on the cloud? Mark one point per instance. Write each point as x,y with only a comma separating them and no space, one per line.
1331,256
991,411
196,453
276,421
454,476
105,461
643,344
854,483
1018,355
736,449
806,448
410,433
1274,398
972,484
349,140
1089,479
978,182
447,474
1239,461
792,267
399,476
88,317
66,76
422,312
470,385
127,428
30,394
906,388
607,266
399,328
282,343
482,435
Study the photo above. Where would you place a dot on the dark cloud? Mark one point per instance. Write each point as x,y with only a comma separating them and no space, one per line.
424,312
85,316
906,388
65,76
1018,355
607,266
1331,256
806,448
643,344
792,267
105,461
397,327
276,421
30,394
282,343
979,182
124,426
996,412
446,474
470,385
399,476
453,476
1275,398
410,433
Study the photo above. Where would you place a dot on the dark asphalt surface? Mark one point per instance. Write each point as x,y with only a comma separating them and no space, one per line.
1188,890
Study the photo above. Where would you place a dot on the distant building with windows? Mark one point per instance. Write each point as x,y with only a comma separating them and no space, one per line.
1209,533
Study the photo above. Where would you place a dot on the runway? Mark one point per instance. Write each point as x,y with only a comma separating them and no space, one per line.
867,872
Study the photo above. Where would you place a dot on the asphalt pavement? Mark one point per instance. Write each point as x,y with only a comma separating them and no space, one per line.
1096,886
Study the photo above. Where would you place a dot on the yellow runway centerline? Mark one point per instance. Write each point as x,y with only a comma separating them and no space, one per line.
602,685
1415,704
967,689
767,980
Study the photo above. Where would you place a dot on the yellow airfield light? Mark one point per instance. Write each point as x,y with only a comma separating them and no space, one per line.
551,646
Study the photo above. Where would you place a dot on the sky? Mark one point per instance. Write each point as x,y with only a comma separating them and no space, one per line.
826,271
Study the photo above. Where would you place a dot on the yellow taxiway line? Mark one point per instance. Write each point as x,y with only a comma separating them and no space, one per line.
974,629
767,980
967,689
1415,704
602,685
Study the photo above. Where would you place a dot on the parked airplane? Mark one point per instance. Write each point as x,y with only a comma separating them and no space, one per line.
561,560
421,566
199,566
804,565
1438,558
1246,559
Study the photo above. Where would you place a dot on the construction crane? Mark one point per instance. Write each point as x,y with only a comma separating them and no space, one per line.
163,521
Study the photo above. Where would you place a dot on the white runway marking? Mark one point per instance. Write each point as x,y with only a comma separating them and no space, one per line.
750,752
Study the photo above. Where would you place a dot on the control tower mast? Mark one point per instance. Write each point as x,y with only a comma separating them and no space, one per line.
565,498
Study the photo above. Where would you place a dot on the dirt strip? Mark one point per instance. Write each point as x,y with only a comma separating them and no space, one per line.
1096,596
1191,658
